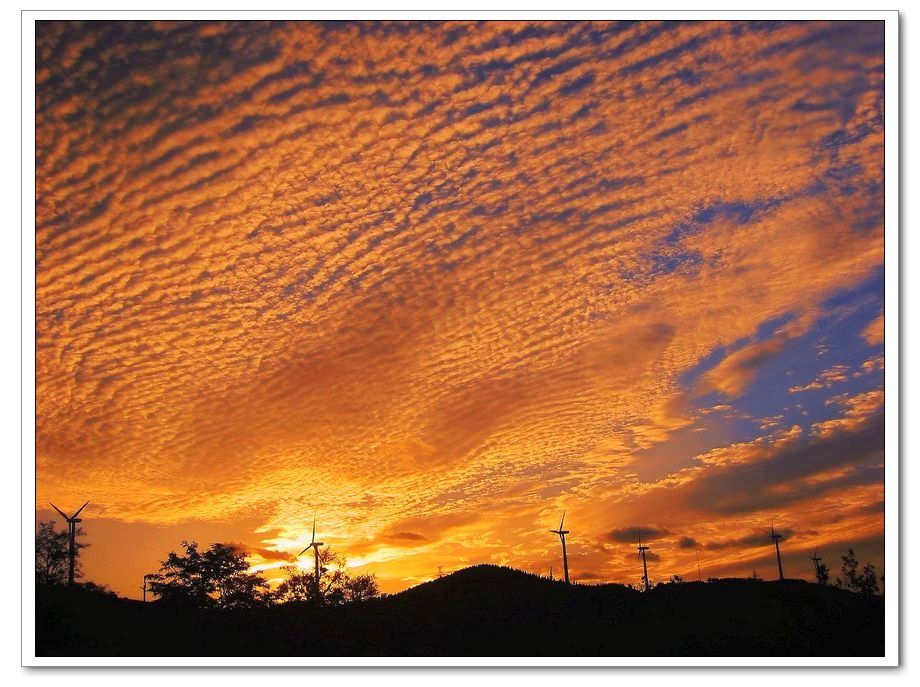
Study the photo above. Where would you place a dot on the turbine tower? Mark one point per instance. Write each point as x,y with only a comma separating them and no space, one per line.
776,537
72,522
565,559
642,550
315,546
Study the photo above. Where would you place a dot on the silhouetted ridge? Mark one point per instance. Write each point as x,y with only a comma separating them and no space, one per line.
485,610
488,580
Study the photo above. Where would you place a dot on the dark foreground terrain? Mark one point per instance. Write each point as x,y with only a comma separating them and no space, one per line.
484,611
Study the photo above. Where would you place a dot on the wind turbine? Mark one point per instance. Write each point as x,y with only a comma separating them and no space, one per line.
776,537
565,559
642,550
72,522
315,546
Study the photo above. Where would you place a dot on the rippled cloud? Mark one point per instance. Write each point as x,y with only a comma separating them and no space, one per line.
440,281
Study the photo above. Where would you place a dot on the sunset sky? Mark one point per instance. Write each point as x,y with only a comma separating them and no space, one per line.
437,282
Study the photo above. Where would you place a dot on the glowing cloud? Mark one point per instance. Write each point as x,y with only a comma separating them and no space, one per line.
440,281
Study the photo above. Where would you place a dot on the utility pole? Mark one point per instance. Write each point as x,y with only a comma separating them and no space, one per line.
699,574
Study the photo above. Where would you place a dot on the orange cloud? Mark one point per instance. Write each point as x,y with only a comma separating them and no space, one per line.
833,375
436,282
874,333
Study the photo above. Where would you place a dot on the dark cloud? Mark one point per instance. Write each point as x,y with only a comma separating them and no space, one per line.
271,555
588,575
765,484
750,540
408,536
261,552
631,534
687,543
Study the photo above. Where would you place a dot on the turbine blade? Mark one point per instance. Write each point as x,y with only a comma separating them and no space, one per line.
81,508
562,521
59,511
313,536
302,552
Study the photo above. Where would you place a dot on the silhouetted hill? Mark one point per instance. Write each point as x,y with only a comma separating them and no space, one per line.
484,611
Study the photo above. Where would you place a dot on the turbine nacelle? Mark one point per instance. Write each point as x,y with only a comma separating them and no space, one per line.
314,545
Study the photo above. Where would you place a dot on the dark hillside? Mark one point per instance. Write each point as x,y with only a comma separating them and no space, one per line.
484,611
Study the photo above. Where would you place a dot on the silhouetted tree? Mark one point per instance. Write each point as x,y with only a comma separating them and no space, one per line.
337,587
216,577
361,588
51,554
297,584
822,574
865,582
676,579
